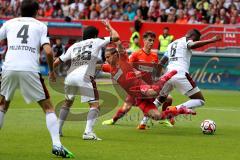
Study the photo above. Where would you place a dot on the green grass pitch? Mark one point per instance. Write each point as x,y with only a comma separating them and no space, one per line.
24,135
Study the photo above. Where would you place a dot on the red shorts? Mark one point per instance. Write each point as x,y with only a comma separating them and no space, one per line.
146,105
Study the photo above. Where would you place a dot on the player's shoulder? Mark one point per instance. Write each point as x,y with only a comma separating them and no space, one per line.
182,40
29,20
11,21
154,53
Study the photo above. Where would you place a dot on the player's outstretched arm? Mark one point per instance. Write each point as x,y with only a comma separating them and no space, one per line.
49,54
198,44
114,34
120,48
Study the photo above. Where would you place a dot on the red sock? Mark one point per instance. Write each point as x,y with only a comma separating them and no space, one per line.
120,113
165,105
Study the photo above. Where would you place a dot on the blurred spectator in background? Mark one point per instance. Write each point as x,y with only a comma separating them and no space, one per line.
186,11
181,18
130,13
164,40
144,9
58,50
223,16
135,37
48,10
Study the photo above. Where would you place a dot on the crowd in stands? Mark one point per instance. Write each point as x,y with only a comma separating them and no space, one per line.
172,11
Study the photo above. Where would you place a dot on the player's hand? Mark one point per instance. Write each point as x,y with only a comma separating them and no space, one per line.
107,24
52,76
216,38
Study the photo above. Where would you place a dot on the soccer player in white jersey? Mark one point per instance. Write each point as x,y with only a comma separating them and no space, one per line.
80,78
179,55
25,36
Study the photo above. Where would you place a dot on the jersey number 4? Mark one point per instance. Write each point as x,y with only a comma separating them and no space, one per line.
23,33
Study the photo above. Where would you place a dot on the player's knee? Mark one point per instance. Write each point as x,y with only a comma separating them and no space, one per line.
68,103
94,105
169,99
46,105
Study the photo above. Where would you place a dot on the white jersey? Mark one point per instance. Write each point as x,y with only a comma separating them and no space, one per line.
84,55
25,36
179,55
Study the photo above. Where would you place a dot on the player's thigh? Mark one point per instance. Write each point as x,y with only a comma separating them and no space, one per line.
89,91
70,92
185,84
9,83
32,87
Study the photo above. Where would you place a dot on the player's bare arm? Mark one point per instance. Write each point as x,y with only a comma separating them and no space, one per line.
56,63
113,32
198,44
49,55
161,63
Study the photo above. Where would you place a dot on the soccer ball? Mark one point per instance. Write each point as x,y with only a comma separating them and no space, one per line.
208,126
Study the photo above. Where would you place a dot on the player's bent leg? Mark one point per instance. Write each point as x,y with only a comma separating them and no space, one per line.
64,111
91,119
150,110
196,100
153,90
53,127
120,113
156,115
167,103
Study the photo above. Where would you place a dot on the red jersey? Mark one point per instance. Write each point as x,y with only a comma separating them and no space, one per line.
125,76
146,63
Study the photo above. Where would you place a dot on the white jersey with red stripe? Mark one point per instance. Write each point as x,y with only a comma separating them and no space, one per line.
84,55
179,55
25,36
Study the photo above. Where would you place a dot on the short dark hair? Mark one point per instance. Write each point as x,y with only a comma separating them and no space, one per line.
149,34
193,32
29,8
90,32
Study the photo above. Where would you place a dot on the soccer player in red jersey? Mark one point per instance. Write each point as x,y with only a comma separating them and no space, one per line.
146,61
129,79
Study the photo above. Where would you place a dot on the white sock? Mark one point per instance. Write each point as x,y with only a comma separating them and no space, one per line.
53,127
157,103
2,114
144,120
192,103
62,117
91,119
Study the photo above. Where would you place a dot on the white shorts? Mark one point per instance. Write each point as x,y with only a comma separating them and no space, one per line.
31,85
183,82
80,85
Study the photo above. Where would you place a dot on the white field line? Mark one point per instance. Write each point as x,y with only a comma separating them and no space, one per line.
221,109
203,108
